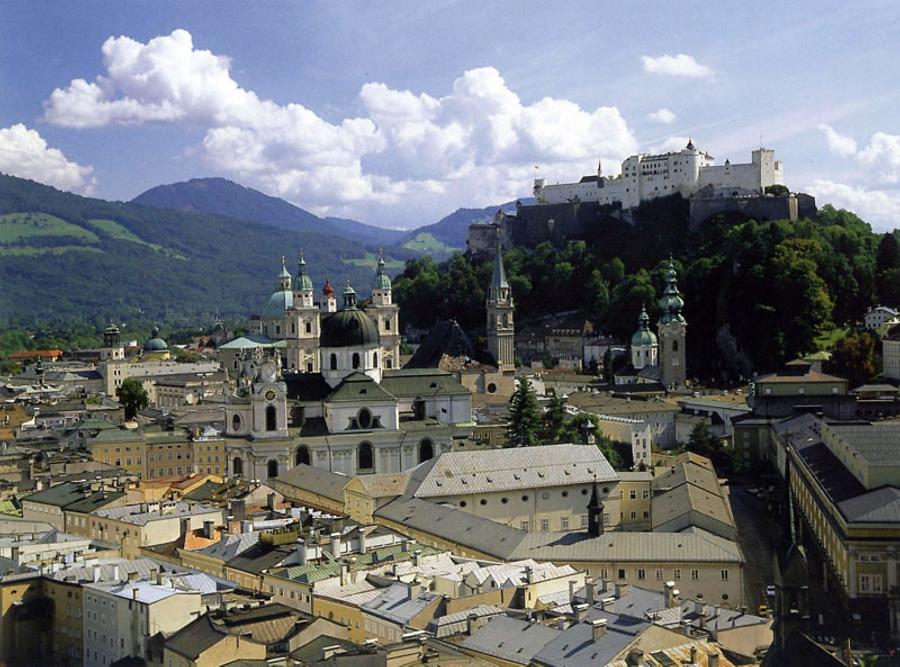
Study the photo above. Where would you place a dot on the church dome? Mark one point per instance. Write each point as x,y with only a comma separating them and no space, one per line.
303,282
350,326
279,302
643,338
382,281
155,344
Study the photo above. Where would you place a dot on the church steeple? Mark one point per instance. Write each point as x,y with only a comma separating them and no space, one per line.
672,333
500,309
303,282
671,303
349,297
284,278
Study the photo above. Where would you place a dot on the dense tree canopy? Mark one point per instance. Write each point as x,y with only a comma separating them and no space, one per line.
756,293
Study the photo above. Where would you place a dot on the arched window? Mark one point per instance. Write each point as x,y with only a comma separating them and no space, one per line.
237,467
271,418
302,456
272,468
506,319
364,418
333,361
356,360
426,450
674,346
374,360
365,459
236,423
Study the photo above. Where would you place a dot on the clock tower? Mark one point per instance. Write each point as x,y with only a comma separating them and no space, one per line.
268,403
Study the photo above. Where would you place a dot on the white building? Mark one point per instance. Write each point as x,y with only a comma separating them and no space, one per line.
685,172
635,432
890,354
120,618
879,315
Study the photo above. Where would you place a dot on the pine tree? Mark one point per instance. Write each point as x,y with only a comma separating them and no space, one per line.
554,425
133,397
524,417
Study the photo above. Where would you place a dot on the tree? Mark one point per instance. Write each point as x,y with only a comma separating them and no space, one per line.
854,358
597,297
524,417
584,426
133,397
553,429
777,190
608,374
594,366
183,356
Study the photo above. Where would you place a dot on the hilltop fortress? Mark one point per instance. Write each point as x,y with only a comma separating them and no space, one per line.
565,211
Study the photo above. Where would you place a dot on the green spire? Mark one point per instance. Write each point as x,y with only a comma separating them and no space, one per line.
643,337
671,303
498,280
382,281
303,282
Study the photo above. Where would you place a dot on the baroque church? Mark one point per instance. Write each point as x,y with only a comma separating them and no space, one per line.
659,360
320,384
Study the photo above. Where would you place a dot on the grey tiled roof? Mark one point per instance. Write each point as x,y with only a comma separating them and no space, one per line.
879,506
575,646
877,444
396,605
511,639
315,480
464,473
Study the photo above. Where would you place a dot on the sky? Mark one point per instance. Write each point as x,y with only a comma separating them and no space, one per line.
397,113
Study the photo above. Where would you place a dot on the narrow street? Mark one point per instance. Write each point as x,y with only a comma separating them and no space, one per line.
757,536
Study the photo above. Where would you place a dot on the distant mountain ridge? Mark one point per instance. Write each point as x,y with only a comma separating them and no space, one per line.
224,197
67,258
453,229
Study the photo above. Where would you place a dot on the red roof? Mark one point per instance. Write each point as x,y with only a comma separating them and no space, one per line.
31,354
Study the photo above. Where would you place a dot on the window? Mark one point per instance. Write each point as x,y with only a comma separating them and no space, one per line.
584,520
387,325
545,525
695,575
524,499
645,495
676,574
621,573
659,574
302,456
356,360
375,360
524,525
870,583
564,523
632,494
272,468
365,459
364,418
482,502
308,327
426,451
462,503
723,574
642,573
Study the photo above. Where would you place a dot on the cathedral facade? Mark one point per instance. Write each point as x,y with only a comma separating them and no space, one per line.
332,395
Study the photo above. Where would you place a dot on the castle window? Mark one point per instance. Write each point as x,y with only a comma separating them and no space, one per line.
387,325
333,361
375,360
356,360
272,468
674,346
309,327
271,418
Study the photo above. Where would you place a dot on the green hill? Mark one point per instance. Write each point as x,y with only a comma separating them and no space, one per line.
65,258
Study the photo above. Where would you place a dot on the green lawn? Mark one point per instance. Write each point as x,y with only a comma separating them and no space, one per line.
17,226
371,261
425,242
117,231
826,340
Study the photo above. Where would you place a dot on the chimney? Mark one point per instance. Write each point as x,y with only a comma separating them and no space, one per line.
363,546
270,501
115,573
561,623
345,574
635,657
336,545
234,526
208,529
185,525
621,589
693,654
698,606
134,593
572,584
712,660
239,509
246,526
529,577
471,624
95,572
579,611
302,551
671,594
133,576
598,628
589,590
415,557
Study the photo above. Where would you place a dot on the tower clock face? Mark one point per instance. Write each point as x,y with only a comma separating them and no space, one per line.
270,395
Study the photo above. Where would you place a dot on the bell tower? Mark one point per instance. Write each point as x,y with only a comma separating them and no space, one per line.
302,327
672,329
500,308
386,315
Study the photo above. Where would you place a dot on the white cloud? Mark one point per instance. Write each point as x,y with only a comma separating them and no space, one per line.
678,65
880,208
663,116
838,143
669,145
25,153
474,145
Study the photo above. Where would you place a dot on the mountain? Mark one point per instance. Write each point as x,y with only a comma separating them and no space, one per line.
65,258
224,197
452,230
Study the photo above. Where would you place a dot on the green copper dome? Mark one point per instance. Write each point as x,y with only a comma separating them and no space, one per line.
382,281
155,344
350,326
303,282
279,302
643,337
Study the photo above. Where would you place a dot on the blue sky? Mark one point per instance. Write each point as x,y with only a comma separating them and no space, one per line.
397,113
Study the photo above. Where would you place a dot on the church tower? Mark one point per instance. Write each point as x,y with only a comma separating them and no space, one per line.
500,328
386,315
302,329
595,513
112,368
672,329
644,346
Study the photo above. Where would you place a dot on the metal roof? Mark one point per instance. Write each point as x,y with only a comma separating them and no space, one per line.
511,639
465,473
